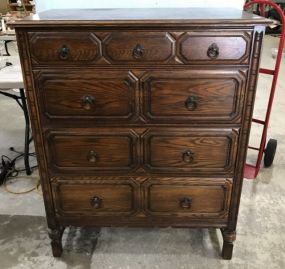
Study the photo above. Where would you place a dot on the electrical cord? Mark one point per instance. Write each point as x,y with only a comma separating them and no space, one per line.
8,170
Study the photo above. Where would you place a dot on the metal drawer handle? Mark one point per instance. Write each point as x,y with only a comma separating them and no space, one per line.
64,53
87,102
138,51
92,156
96,202
213,51
188,156
191,102
186,202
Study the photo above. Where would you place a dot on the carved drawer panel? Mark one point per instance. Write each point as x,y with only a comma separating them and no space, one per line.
190,150
98,197
97,150
63,48
180,197
87,94
229,47
138,47
193,95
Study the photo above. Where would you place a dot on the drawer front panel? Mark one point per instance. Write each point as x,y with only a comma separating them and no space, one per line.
138,47
99,197
193,95
180,197
101,96
99,150
215,47
63,48
190,151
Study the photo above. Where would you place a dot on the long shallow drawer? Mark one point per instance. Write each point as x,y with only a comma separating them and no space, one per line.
99,150
190,150
61,48
180,197
193,95
139,47
100,197
102,96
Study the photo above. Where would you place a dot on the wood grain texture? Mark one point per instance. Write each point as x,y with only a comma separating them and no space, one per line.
97,150
233,47
61,95
83,47
118,197
218,95
156,47
214,150
208,198
143,17
135,121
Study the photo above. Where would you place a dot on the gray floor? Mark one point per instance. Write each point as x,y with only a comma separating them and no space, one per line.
261,227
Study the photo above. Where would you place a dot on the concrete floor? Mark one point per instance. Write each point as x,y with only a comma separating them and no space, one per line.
261,226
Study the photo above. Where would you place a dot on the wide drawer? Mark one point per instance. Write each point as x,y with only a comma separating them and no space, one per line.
190,151
174,96
227,47
97,150
181,197
102,96
62,48
99,197
173,47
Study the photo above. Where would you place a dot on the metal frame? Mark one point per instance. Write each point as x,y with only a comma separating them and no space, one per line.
21,100
251,171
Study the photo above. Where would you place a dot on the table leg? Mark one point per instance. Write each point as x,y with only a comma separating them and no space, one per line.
6,47
27,132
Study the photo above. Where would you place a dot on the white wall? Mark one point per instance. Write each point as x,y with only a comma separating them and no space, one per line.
52,4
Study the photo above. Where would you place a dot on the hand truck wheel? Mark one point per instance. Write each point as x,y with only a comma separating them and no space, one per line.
269,152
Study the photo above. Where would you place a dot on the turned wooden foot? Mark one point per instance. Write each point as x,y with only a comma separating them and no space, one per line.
228,238
56,243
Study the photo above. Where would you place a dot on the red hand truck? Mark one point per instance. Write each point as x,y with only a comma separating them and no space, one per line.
251,171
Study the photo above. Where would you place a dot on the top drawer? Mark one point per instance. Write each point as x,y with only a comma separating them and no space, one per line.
62,48
140,47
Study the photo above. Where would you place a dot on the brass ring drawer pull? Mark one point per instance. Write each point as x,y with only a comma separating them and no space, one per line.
96,202
191,102
87,102
188,156
92,156
64,53
138,51
186,202
213,51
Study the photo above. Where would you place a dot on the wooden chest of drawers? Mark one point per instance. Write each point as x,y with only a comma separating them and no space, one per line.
141,117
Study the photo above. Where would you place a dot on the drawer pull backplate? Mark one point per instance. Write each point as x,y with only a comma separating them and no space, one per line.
64,53
213,51
188,156
186,202
96,202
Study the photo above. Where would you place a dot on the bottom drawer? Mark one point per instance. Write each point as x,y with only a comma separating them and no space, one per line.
146,200
180,197
95,197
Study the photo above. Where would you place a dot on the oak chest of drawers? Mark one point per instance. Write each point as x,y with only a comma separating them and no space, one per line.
141,117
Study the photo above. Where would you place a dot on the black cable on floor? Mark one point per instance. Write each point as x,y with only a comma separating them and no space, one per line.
8,170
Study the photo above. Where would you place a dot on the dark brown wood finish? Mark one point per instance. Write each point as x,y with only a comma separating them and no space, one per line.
148,122
96,95
190,151
185,96
96,150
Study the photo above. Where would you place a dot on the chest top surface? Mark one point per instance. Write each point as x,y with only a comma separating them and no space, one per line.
146,16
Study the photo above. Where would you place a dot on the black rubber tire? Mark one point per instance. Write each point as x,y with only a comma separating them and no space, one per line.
269,152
